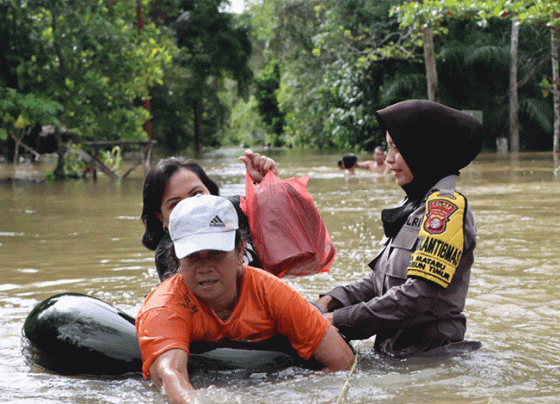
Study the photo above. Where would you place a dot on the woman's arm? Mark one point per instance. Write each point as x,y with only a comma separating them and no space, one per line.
400,303
333,352
169,371
361,290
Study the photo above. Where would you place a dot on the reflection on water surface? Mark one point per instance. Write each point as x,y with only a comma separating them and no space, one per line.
84,237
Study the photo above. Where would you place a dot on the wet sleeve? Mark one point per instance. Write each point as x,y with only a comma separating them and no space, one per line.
367,318
359,291
158,331
298,320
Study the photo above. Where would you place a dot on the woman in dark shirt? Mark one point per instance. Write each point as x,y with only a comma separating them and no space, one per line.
174,179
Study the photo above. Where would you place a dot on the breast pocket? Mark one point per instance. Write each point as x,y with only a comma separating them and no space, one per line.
400,251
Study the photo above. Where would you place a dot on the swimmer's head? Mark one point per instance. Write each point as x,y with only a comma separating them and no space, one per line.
347,161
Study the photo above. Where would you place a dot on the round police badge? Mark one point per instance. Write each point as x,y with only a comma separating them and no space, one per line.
435,224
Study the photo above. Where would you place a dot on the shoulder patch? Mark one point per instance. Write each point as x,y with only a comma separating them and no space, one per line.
438,211
441,239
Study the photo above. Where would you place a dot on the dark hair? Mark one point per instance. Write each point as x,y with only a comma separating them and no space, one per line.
349,160
154,187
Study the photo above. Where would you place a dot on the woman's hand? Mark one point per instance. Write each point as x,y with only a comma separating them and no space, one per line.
258,165
169,372
327,303
330,318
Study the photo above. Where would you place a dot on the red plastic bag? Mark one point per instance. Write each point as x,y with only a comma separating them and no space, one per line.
288,234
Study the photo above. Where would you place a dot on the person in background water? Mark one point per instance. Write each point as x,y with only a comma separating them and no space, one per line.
377,166
348,163
413,299
174,179
217,299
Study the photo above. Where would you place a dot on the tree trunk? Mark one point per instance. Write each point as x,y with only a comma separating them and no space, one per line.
556,93
513,102
197,107
430,62
16,151
60,152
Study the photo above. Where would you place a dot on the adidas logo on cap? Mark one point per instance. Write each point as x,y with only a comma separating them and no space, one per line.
203,222
217,222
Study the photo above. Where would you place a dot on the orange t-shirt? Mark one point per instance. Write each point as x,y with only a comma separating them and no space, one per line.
172,317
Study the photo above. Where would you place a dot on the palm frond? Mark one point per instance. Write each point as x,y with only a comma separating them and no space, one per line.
403,87
489,55
538,111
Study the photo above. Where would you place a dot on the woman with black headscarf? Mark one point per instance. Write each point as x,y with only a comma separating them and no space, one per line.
413,299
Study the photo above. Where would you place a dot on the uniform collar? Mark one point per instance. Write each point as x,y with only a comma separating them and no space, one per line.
394,219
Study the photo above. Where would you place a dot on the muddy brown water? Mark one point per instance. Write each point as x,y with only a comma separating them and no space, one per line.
81,236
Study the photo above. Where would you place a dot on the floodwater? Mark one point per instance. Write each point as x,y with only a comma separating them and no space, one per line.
81,236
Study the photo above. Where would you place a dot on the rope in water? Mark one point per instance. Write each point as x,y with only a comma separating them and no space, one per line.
347,383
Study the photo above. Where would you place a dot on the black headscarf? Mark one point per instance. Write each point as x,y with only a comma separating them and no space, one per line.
435,141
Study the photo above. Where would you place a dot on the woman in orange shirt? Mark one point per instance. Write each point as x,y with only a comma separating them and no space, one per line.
216,299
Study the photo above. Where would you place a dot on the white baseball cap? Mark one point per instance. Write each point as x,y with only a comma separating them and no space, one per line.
203,222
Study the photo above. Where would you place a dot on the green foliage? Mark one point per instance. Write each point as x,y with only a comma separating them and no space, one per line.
349,100
74,166
538,112
20,108
473,72
473,63
267,84
366,48
403,85
285,30
245,125
93,62
324,67
214,47
17,46
335,56
111,158
433,13
215,42
19,111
